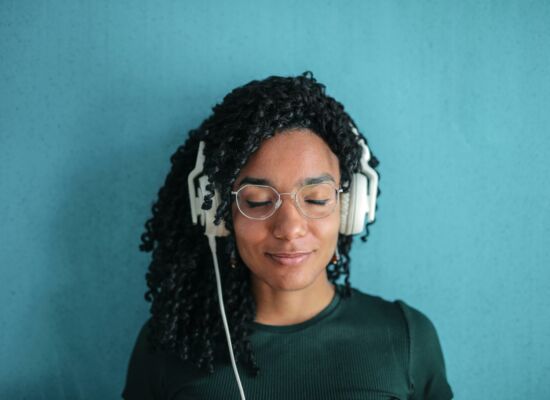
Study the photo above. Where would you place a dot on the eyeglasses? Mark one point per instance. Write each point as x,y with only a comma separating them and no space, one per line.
313,201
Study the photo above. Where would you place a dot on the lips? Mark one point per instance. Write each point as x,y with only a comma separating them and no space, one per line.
294,258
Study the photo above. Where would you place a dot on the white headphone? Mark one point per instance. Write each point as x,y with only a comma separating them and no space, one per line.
357,205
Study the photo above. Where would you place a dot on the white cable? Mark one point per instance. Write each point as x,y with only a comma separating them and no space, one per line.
212,243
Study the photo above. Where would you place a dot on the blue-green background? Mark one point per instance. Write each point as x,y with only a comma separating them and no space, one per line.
452,95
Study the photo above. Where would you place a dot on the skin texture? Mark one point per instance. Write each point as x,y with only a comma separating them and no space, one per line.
287,294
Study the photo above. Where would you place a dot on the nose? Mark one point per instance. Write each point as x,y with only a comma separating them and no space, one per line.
288,222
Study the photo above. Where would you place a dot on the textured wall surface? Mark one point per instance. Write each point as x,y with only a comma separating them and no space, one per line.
452,95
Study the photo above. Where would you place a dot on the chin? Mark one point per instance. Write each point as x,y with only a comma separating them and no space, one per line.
292,279
289,286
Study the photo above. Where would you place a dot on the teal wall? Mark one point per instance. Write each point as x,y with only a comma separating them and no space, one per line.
453,96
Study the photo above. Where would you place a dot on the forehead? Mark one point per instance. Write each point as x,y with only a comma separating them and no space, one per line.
290,157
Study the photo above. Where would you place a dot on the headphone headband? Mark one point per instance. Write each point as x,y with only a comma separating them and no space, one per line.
358,205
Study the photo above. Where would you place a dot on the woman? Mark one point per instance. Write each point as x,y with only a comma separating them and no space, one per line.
286,180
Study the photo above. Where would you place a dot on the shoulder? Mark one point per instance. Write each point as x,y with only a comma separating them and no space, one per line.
426,361
413,332
420,328
396,311
410,323
377,321
144,351
156,373
361,299
374,310
144,368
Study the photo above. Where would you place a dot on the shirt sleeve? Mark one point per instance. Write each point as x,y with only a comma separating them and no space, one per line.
426,363
143,379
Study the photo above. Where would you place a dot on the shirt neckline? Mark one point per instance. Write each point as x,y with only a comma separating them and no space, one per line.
325,312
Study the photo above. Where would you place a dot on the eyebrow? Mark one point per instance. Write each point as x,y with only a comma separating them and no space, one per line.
307,181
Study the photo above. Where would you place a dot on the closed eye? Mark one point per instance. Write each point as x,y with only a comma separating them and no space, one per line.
317,202
254,204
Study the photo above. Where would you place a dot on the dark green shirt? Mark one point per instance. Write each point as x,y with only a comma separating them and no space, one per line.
361,347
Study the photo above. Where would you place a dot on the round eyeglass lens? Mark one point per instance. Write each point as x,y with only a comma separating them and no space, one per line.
257,202
317,201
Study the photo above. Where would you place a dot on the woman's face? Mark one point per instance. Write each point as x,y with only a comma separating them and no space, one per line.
288,251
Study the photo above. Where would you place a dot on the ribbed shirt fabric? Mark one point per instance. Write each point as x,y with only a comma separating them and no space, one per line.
360,347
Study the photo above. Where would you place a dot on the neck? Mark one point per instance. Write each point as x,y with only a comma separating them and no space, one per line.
287,307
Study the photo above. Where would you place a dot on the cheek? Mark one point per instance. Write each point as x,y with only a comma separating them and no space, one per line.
326,234
248,233
327,228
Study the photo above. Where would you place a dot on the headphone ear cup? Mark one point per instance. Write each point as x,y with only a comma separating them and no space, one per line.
344,210
354,209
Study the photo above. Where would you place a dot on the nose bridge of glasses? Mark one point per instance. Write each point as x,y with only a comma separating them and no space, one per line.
280,200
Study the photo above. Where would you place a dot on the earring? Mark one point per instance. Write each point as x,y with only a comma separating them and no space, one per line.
230,250
336,257
233,259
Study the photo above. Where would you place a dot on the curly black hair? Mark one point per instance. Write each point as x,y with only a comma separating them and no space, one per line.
181,283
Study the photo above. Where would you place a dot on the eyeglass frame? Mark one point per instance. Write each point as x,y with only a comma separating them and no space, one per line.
293,194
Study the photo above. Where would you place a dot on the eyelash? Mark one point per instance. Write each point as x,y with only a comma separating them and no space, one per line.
253,204
318,202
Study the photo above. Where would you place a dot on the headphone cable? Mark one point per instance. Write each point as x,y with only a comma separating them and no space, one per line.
212,243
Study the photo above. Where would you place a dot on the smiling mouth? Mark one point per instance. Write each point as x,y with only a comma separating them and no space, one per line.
289,258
